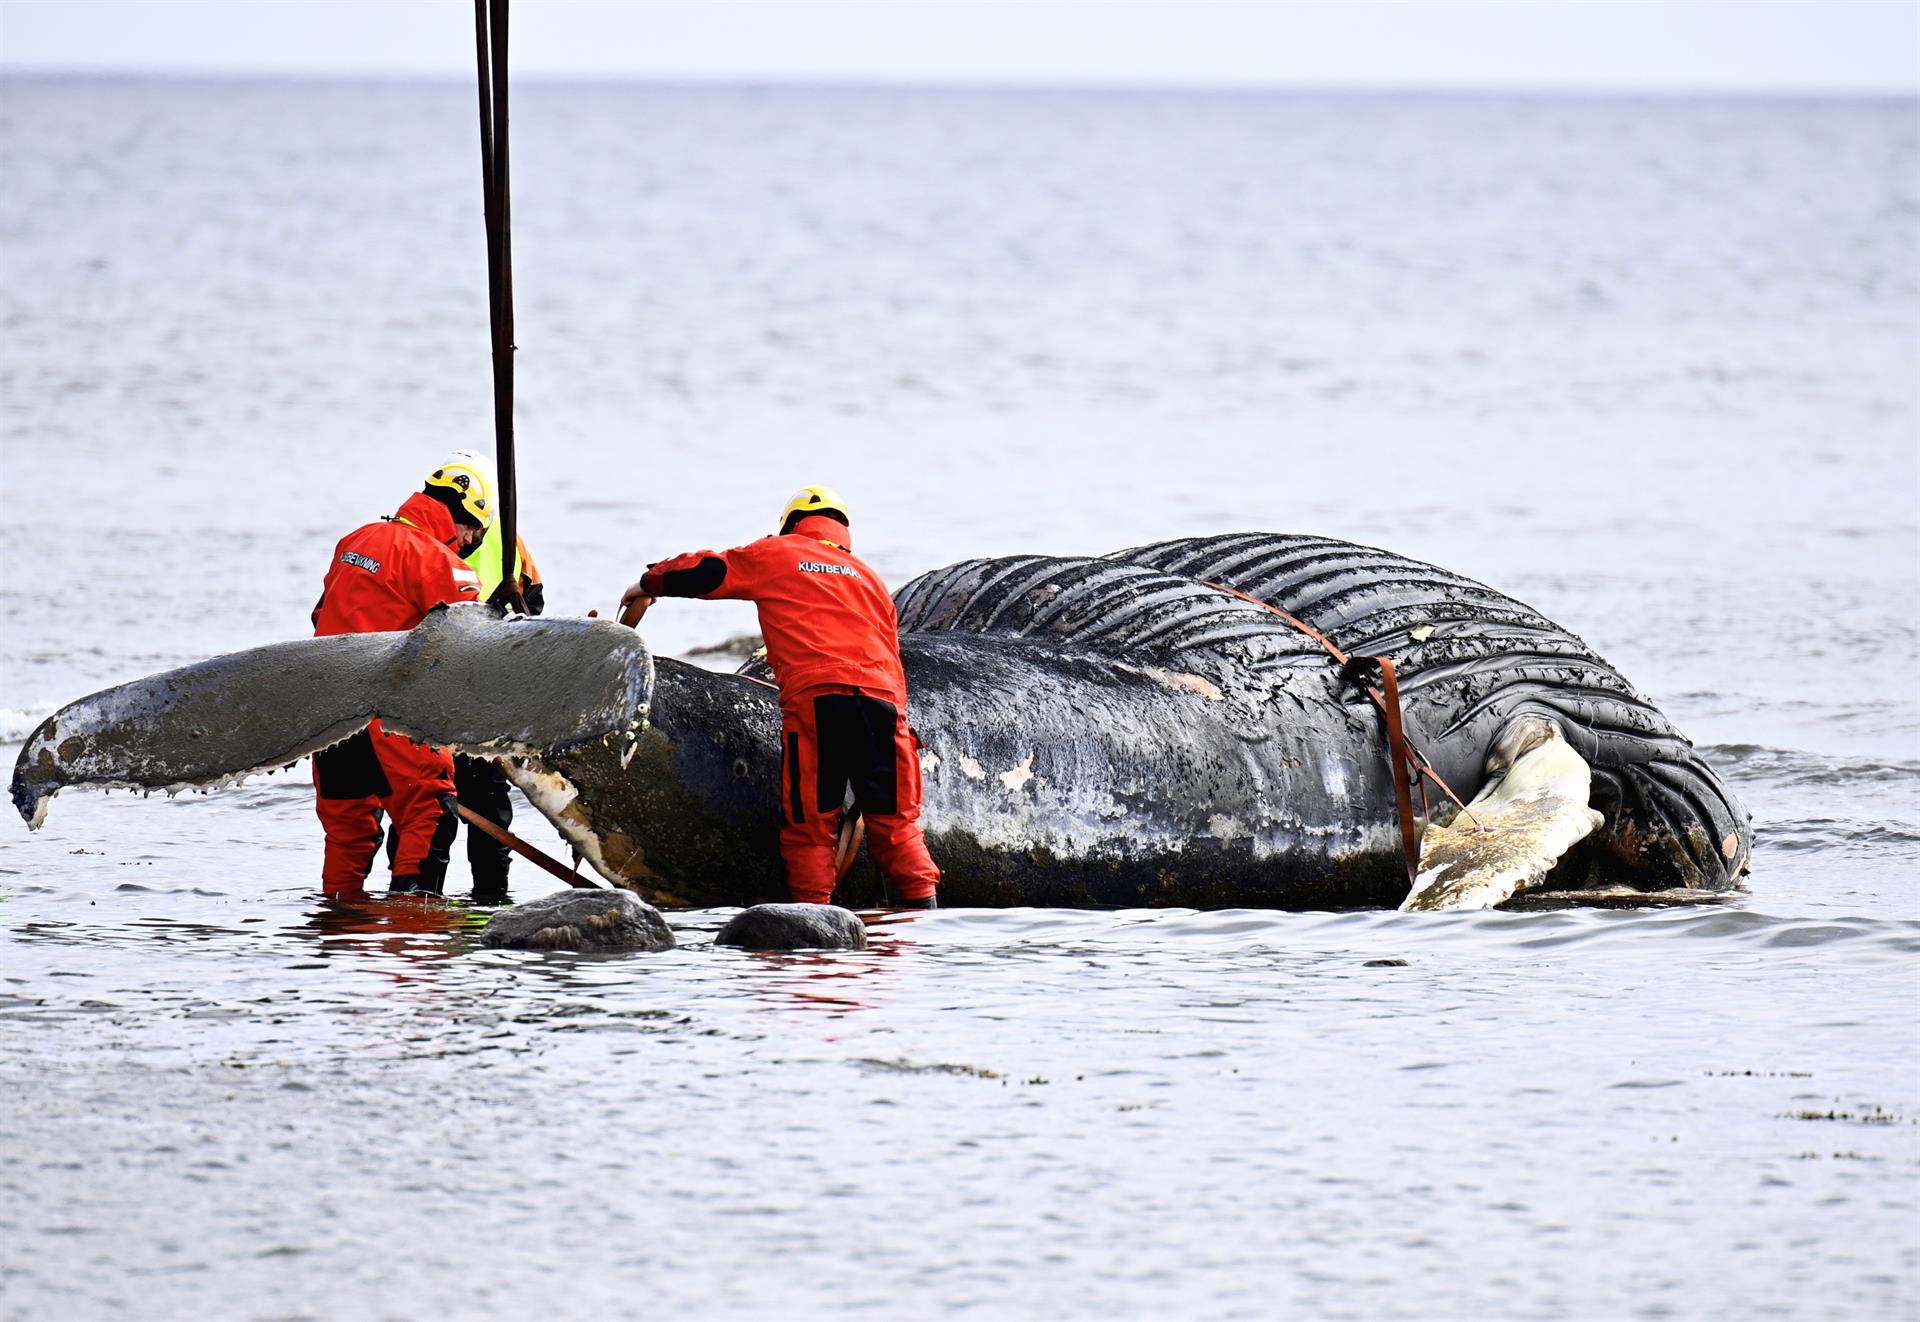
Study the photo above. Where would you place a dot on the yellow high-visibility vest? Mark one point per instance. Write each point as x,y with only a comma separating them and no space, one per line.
485,561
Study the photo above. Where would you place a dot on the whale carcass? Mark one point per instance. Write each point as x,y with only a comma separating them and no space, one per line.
1135,729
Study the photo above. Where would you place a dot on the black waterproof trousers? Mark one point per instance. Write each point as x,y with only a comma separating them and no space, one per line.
482,787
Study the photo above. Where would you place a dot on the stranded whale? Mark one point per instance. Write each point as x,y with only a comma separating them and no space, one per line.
1136,729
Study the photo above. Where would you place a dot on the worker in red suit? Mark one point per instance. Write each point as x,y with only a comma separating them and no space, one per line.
387,576
834,644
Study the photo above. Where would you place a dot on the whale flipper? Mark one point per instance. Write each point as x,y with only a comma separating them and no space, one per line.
1530,812
463,678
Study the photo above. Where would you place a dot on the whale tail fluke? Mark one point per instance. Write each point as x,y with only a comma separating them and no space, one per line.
464,678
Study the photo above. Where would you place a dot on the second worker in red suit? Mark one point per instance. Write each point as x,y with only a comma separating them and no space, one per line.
834,645
384,577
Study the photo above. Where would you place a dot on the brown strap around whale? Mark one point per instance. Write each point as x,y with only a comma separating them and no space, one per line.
525,850
1399,752
1408,763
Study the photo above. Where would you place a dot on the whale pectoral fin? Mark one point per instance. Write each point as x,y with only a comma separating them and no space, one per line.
462,679
1514,831
202,724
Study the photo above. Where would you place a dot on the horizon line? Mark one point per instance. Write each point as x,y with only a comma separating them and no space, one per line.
975,84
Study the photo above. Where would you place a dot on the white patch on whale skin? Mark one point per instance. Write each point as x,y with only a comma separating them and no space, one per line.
1181,681
1083,807
929,761
1225,829
1175,681
972,769
1016,777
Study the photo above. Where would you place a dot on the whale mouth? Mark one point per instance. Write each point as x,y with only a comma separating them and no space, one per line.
558,799
465,679
601,837
1536,829
1529,813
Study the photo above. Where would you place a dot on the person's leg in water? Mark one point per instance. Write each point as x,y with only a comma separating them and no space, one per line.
809,806
482,787
420,804
348,787
884,767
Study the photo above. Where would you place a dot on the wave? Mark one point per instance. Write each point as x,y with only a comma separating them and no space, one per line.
1372,935
1797,766
16,723
1846,835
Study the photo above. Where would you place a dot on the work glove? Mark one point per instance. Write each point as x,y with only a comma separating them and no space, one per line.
533,596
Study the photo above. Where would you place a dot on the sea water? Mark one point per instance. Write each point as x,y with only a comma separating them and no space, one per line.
1648,365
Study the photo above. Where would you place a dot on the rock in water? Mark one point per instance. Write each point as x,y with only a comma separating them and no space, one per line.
595,921
794,927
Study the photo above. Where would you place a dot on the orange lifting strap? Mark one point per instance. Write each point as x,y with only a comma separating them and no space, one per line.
1408,764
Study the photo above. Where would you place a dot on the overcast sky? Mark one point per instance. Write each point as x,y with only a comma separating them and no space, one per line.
1575,45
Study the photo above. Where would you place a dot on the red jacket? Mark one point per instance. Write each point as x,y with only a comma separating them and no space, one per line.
388,575
826,616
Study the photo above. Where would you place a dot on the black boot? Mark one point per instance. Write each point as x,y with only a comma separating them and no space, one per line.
926,903
431,879
415,885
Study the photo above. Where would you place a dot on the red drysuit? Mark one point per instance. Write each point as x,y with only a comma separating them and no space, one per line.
834,644
384,577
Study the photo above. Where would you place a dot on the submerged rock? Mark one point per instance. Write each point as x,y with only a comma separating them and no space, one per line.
595,921
794,927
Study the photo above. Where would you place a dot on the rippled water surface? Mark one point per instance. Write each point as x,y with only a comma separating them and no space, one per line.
1648,366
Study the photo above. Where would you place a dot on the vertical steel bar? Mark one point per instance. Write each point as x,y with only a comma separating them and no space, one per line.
503,349
490,59
484,62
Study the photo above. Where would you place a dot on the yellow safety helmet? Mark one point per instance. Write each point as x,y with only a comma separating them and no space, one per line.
469,474
813,500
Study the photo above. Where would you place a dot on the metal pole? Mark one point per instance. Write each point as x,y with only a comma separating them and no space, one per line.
490,43
485,64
